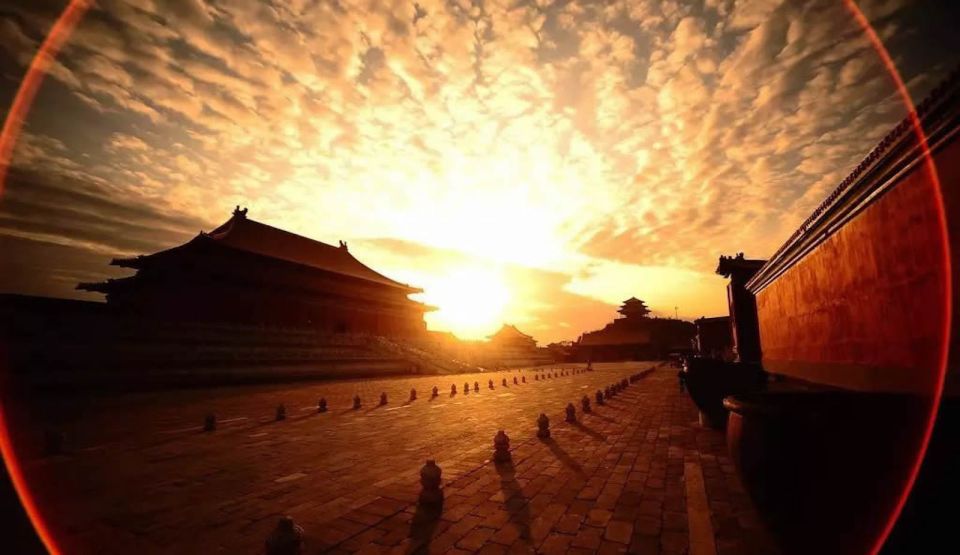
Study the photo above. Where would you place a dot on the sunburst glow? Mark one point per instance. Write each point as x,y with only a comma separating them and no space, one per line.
471,301
589,151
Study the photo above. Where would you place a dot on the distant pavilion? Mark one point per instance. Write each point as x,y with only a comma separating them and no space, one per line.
508,336
634,336
247,272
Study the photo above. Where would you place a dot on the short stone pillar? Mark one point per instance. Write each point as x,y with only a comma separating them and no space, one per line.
322,405
431,495
599,397
383,398
466,387
476,387
436,392
356,402
504,382
571,413
286,538
281,412
543,426
52,442
515,382
624,383
536,377
413,394
523,379
608,392
585,404
210,422
453,389
501,448
490,384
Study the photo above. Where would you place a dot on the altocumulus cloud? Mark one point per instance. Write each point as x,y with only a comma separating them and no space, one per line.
605,147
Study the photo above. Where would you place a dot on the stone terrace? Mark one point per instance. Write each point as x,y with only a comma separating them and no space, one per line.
636,475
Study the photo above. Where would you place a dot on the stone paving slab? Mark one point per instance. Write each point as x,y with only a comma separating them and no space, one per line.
611,483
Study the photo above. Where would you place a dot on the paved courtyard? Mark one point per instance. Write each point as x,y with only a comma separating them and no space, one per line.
639,475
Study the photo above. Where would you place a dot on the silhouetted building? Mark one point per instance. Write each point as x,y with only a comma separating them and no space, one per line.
635,336
562,351
509,337
511,347
714,337
743,305
252,273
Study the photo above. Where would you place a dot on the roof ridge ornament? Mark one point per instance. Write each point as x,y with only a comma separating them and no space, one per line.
343,245
238,213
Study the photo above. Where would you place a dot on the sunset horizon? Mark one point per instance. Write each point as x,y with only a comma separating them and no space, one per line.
530,165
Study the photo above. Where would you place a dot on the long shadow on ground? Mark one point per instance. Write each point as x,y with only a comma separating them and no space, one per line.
563,456
516,504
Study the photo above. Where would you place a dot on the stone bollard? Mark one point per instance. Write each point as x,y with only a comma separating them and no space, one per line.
356,402
501,448
585,403
413,394
523,379
608,392
453,389
322,405
210,422
281,412
624,383
599,397
571,413
476,387
490,384
436,392
431,496
286,538
543,426
466,387
536,377
52,442
383,398
504,382
515,382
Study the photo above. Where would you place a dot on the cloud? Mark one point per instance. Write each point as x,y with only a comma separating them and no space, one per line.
580,141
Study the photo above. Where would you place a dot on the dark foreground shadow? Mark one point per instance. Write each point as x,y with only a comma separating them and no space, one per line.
563,456
422,528
516,504
596,414
590,431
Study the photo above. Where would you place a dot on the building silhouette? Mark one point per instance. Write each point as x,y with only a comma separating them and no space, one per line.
247,272
635,336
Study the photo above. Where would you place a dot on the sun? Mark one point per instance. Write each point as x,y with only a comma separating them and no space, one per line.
470,301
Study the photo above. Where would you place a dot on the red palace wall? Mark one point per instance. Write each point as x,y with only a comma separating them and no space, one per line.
864,309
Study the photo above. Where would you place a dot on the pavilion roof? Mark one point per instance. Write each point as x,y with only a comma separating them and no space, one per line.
729,265
508,331
242,233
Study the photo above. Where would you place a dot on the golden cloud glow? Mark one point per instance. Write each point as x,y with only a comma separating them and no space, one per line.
548,159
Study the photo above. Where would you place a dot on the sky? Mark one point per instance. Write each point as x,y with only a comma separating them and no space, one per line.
524,162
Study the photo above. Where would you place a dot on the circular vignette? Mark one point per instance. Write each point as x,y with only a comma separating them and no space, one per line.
73,13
